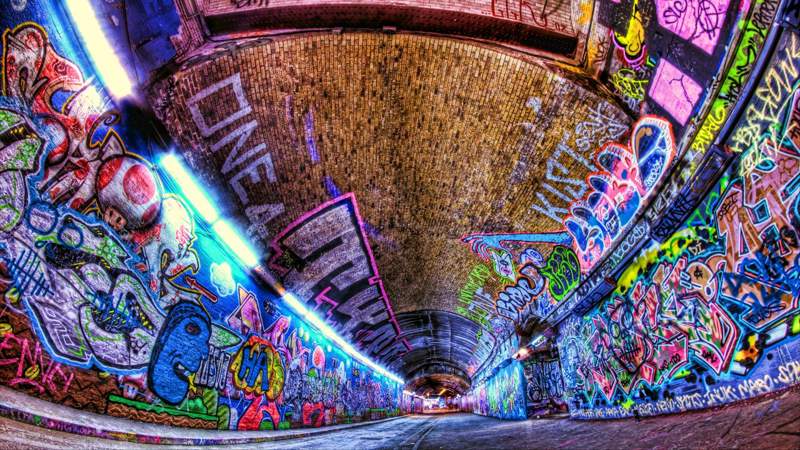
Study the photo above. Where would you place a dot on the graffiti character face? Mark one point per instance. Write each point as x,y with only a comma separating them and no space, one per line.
503,264
180,348
112,217
128,193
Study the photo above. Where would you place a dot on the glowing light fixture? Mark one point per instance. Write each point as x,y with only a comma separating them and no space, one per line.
234,241
521,354
537,341
199,200
298,307
105,60
191,190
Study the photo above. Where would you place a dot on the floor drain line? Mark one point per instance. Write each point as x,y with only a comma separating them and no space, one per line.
424,433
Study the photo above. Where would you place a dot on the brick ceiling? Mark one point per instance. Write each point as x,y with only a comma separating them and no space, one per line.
435,137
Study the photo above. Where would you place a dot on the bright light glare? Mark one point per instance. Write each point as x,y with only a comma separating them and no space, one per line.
329,333
105,60
241,249
193,192
537,340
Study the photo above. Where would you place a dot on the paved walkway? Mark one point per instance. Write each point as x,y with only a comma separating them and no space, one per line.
768,424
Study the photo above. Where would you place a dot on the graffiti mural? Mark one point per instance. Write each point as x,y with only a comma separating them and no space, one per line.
695,21
469,307
503,394
562,272
114,302
544,385
324,258
630,173
654,45
753,34
696,320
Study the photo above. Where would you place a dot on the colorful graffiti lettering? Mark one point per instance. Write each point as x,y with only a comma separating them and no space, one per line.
544,384
34,369
627,83
562,272
630,173
502,395
257,368
512,300
748,48
701,308
771,95
469,304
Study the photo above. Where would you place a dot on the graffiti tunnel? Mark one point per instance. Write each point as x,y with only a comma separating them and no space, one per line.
226,222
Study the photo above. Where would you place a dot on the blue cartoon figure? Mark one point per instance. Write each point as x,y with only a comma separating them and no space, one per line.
180,348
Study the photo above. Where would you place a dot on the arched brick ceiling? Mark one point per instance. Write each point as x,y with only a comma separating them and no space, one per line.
434,137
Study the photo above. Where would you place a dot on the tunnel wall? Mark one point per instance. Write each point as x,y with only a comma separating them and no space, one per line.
116,298
684,61
710,316
498,389
503,394
544,385
680,67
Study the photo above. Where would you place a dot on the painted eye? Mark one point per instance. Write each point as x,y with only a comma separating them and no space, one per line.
192,328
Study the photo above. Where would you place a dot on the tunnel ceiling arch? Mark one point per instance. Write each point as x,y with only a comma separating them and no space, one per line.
421,147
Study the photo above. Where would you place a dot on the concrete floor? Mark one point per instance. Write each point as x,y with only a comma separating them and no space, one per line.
769,424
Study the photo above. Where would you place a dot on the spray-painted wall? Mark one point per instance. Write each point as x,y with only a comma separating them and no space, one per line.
544,385
711,315
116,298
662,56
498,390
502,395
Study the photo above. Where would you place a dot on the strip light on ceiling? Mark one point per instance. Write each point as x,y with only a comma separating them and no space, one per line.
200,201
105,59
537,341
191,190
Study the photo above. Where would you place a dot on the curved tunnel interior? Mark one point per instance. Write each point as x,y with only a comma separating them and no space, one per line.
268,215
420,149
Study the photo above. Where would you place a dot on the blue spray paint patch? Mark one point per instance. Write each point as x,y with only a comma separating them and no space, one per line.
180,348
331,187
311,144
